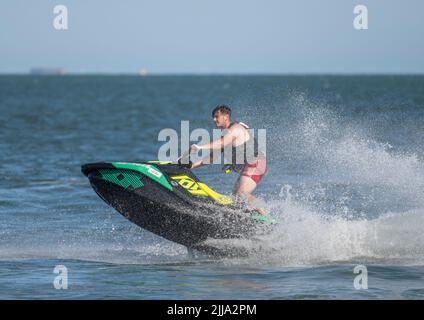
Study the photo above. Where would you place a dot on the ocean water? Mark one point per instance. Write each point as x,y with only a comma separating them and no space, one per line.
345,182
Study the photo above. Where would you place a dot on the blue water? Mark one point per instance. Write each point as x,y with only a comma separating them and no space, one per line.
345,182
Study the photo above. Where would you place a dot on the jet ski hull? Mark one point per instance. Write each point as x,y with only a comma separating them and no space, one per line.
169,210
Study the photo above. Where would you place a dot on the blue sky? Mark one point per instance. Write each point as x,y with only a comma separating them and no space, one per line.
205,36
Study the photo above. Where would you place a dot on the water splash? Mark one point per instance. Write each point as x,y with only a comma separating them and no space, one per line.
366,201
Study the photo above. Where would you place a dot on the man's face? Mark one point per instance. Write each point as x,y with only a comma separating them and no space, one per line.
220,119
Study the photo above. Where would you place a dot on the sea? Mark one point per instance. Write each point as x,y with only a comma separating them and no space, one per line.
345,184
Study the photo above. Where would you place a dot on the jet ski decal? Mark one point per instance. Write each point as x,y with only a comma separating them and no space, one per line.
148,170
201,189
190,185
122,178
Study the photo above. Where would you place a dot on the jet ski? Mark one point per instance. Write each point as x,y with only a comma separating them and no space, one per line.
169,200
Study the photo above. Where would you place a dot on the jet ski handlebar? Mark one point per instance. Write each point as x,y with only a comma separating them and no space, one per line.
185,165
182,161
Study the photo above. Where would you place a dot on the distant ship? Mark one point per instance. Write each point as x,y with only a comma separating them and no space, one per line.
47,71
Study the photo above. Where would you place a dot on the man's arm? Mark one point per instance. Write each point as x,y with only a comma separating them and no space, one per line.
217,144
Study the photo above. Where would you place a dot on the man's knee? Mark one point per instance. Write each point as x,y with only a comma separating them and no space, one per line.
243,189
241,192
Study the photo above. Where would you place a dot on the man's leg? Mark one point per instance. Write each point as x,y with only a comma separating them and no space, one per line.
244,187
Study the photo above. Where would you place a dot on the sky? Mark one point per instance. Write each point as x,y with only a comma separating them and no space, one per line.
213,36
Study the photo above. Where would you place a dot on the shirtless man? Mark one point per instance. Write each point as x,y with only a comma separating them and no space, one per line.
252,165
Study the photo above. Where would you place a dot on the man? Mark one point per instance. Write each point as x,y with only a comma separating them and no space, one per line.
244,153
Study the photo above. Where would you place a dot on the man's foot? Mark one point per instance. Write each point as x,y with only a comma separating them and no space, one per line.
262,211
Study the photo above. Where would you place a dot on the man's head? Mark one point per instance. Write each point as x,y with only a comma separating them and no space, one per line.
222,116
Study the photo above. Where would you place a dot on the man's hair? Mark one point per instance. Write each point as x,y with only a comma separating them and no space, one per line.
224,109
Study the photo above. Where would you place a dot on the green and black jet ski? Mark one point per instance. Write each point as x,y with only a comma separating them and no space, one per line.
170,201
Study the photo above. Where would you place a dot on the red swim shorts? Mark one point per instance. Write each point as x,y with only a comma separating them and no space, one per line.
255,170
